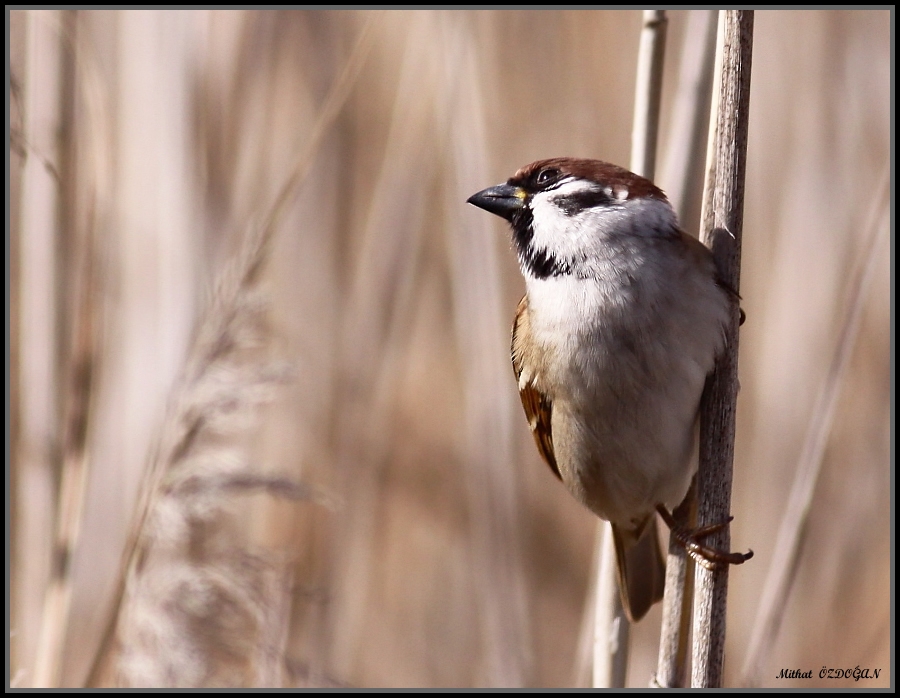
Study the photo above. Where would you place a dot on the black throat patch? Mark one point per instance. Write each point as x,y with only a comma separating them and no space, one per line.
540,263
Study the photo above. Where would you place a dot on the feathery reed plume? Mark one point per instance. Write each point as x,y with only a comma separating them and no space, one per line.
197,605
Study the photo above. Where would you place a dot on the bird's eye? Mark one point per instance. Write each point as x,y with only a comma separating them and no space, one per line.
547,175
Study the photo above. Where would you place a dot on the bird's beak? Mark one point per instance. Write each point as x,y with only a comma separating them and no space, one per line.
503,200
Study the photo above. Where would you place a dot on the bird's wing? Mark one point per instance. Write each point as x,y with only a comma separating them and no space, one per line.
538,407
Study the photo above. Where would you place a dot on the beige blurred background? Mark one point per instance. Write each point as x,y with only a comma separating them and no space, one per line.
146,147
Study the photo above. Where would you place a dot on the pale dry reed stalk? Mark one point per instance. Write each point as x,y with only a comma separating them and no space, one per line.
83,168
611,631
722,233
480,324
794,527
377,314
681,175
35,424
683,182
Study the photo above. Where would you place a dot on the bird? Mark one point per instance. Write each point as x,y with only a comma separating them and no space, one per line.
622,320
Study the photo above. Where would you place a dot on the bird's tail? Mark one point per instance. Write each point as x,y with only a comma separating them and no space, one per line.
642,568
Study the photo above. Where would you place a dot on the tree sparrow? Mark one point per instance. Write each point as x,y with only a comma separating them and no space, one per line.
621,323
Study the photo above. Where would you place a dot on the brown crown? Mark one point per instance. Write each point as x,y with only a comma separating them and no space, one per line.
596,171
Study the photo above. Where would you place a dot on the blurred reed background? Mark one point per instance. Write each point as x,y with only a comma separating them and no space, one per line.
249,306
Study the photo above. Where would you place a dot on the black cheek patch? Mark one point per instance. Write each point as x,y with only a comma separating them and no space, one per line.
571,204
543,265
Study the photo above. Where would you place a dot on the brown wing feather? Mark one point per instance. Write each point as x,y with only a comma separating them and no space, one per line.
538,407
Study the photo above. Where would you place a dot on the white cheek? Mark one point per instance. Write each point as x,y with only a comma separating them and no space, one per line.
586,233
554,230
567,236
552,227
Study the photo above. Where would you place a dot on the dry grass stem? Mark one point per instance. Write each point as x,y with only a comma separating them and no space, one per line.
674,637
683,180
792,533
613,636
648,93
377,313
480,326
39,428
612,631
717,415
682,171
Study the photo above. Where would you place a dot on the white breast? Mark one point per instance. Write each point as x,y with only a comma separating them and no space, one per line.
632,354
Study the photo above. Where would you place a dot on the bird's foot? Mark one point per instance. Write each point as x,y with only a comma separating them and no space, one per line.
711,558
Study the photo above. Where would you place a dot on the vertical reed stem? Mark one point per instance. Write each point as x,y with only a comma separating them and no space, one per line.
717,412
